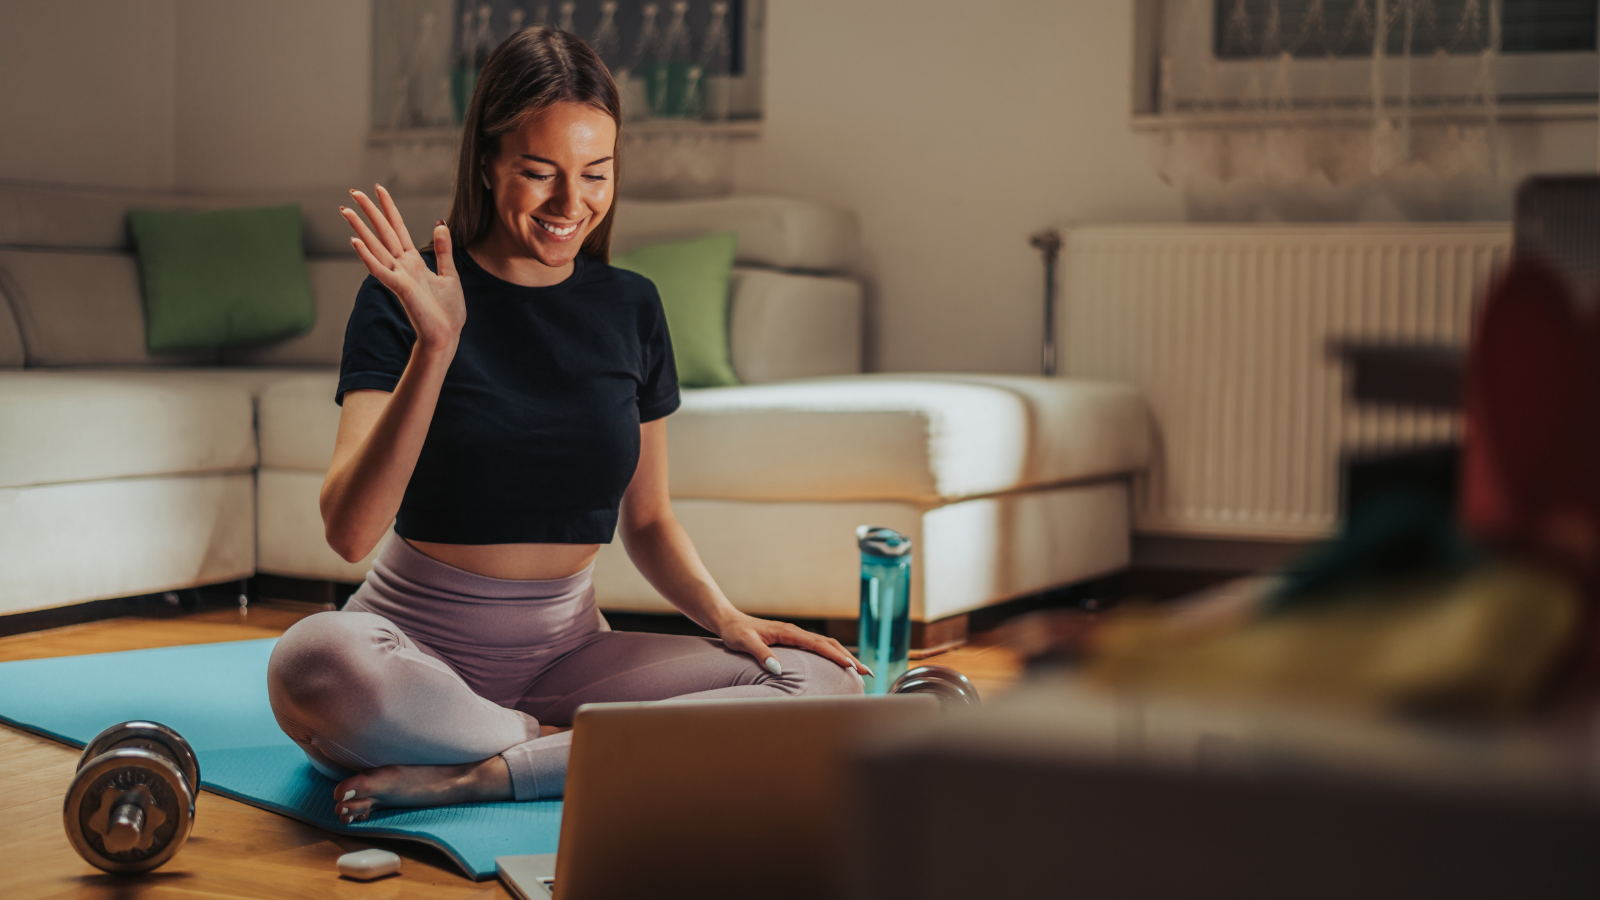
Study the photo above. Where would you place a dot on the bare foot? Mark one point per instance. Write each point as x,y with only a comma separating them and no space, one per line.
393,786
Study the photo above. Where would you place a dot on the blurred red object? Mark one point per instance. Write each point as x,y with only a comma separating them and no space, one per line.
1531,464
1532,467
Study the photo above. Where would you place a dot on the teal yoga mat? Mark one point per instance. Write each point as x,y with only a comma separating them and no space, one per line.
215,695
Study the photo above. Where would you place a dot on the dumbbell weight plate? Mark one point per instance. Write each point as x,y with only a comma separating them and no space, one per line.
951,687
107,781
152,736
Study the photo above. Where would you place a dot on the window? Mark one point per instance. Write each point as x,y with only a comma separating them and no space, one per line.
688,61
690,73
1331,56
1241,29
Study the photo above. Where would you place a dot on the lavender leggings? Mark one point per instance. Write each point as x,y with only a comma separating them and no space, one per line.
429,664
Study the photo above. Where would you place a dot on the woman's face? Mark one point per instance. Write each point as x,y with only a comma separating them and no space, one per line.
553,179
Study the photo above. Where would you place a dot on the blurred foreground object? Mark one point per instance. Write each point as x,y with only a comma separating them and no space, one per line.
1397,615
1479,644
1531,469
1531,481
1060,789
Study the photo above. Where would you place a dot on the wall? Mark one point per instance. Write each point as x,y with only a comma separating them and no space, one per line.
185,94
273,94
954,130
89,92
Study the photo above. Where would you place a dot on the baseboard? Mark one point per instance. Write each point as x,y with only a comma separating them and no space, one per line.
148,606
324,594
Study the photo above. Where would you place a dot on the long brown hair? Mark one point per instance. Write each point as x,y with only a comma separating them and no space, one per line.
528,73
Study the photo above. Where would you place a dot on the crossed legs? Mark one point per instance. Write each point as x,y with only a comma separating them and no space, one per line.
360,696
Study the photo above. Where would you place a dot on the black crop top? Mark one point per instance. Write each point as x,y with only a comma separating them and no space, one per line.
536,433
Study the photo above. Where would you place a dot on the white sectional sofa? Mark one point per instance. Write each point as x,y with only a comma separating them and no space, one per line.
123,473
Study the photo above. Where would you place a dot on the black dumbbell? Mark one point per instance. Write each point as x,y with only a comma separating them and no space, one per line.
131,803
951,687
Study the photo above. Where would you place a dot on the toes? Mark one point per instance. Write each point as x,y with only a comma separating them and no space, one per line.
354,810
349,789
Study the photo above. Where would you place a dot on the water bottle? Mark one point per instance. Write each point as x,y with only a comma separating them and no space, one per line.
883,636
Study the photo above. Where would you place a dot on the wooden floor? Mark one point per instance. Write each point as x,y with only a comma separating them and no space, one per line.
235,850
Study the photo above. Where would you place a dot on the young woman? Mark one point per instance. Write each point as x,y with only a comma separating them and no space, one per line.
503,401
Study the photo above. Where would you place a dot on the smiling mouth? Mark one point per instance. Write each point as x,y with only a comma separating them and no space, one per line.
558,230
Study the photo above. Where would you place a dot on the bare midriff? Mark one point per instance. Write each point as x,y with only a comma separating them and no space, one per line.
520,562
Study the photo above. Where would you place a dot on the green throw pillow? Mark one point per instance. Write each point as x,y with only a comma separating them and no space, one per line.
693,278
222,278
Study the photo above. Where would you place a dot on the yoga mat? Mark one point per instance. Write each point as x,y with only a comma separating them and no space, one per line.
215,695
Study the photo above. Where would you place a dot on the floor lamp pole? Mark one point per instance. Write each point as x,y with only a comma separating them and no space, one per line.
1048,243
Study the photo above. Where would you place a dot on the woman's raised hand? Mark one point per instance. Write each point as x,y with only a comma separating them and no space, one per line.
433,301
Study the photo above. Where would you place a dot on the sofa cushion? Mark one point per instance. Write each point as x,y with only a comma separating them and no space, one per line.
799,559
297,422
773,231
222,278
784,326
334,283
928,438
86,425
77,309
896,436
693,279
67,543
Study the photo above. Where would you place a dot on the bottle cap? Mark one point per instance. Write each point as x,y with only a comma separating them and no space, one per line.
880,541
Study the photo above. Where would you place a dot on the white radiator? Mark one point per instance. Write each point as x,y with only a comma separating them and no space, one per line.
1225,328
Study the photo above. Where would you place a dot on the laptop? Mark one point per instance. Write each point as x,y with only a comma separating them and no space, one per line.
708,798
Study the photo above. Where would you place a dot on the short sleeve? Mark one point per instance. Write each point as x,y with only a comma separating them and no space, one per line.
377,342
658,389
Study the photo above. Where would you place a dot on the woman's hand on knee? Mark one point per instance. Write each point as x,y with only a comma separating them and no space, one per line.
757,637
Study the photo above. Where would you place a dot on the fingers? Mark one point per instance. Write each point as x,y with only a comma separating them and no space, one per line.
392,214
753,645
858,665
380,224
374,246
443,259
385,275
828,648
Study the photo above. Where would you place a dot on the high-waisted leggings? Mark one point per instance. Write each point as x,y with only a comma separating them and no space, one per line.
429,664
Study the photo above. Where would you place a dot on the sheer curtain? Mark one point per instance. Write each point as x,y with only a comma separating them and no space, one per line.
1327,109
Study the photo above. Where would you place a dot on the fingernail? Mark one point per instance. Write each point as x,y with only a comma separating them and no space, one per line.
349,819
349,795
344,810
774,666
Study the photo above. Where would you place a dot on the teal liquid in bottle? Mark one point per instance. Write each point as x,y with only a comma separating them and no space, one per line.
883,634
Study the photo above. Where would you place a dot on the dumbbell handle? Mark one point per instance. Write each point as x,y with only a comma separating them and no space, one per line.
124,829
